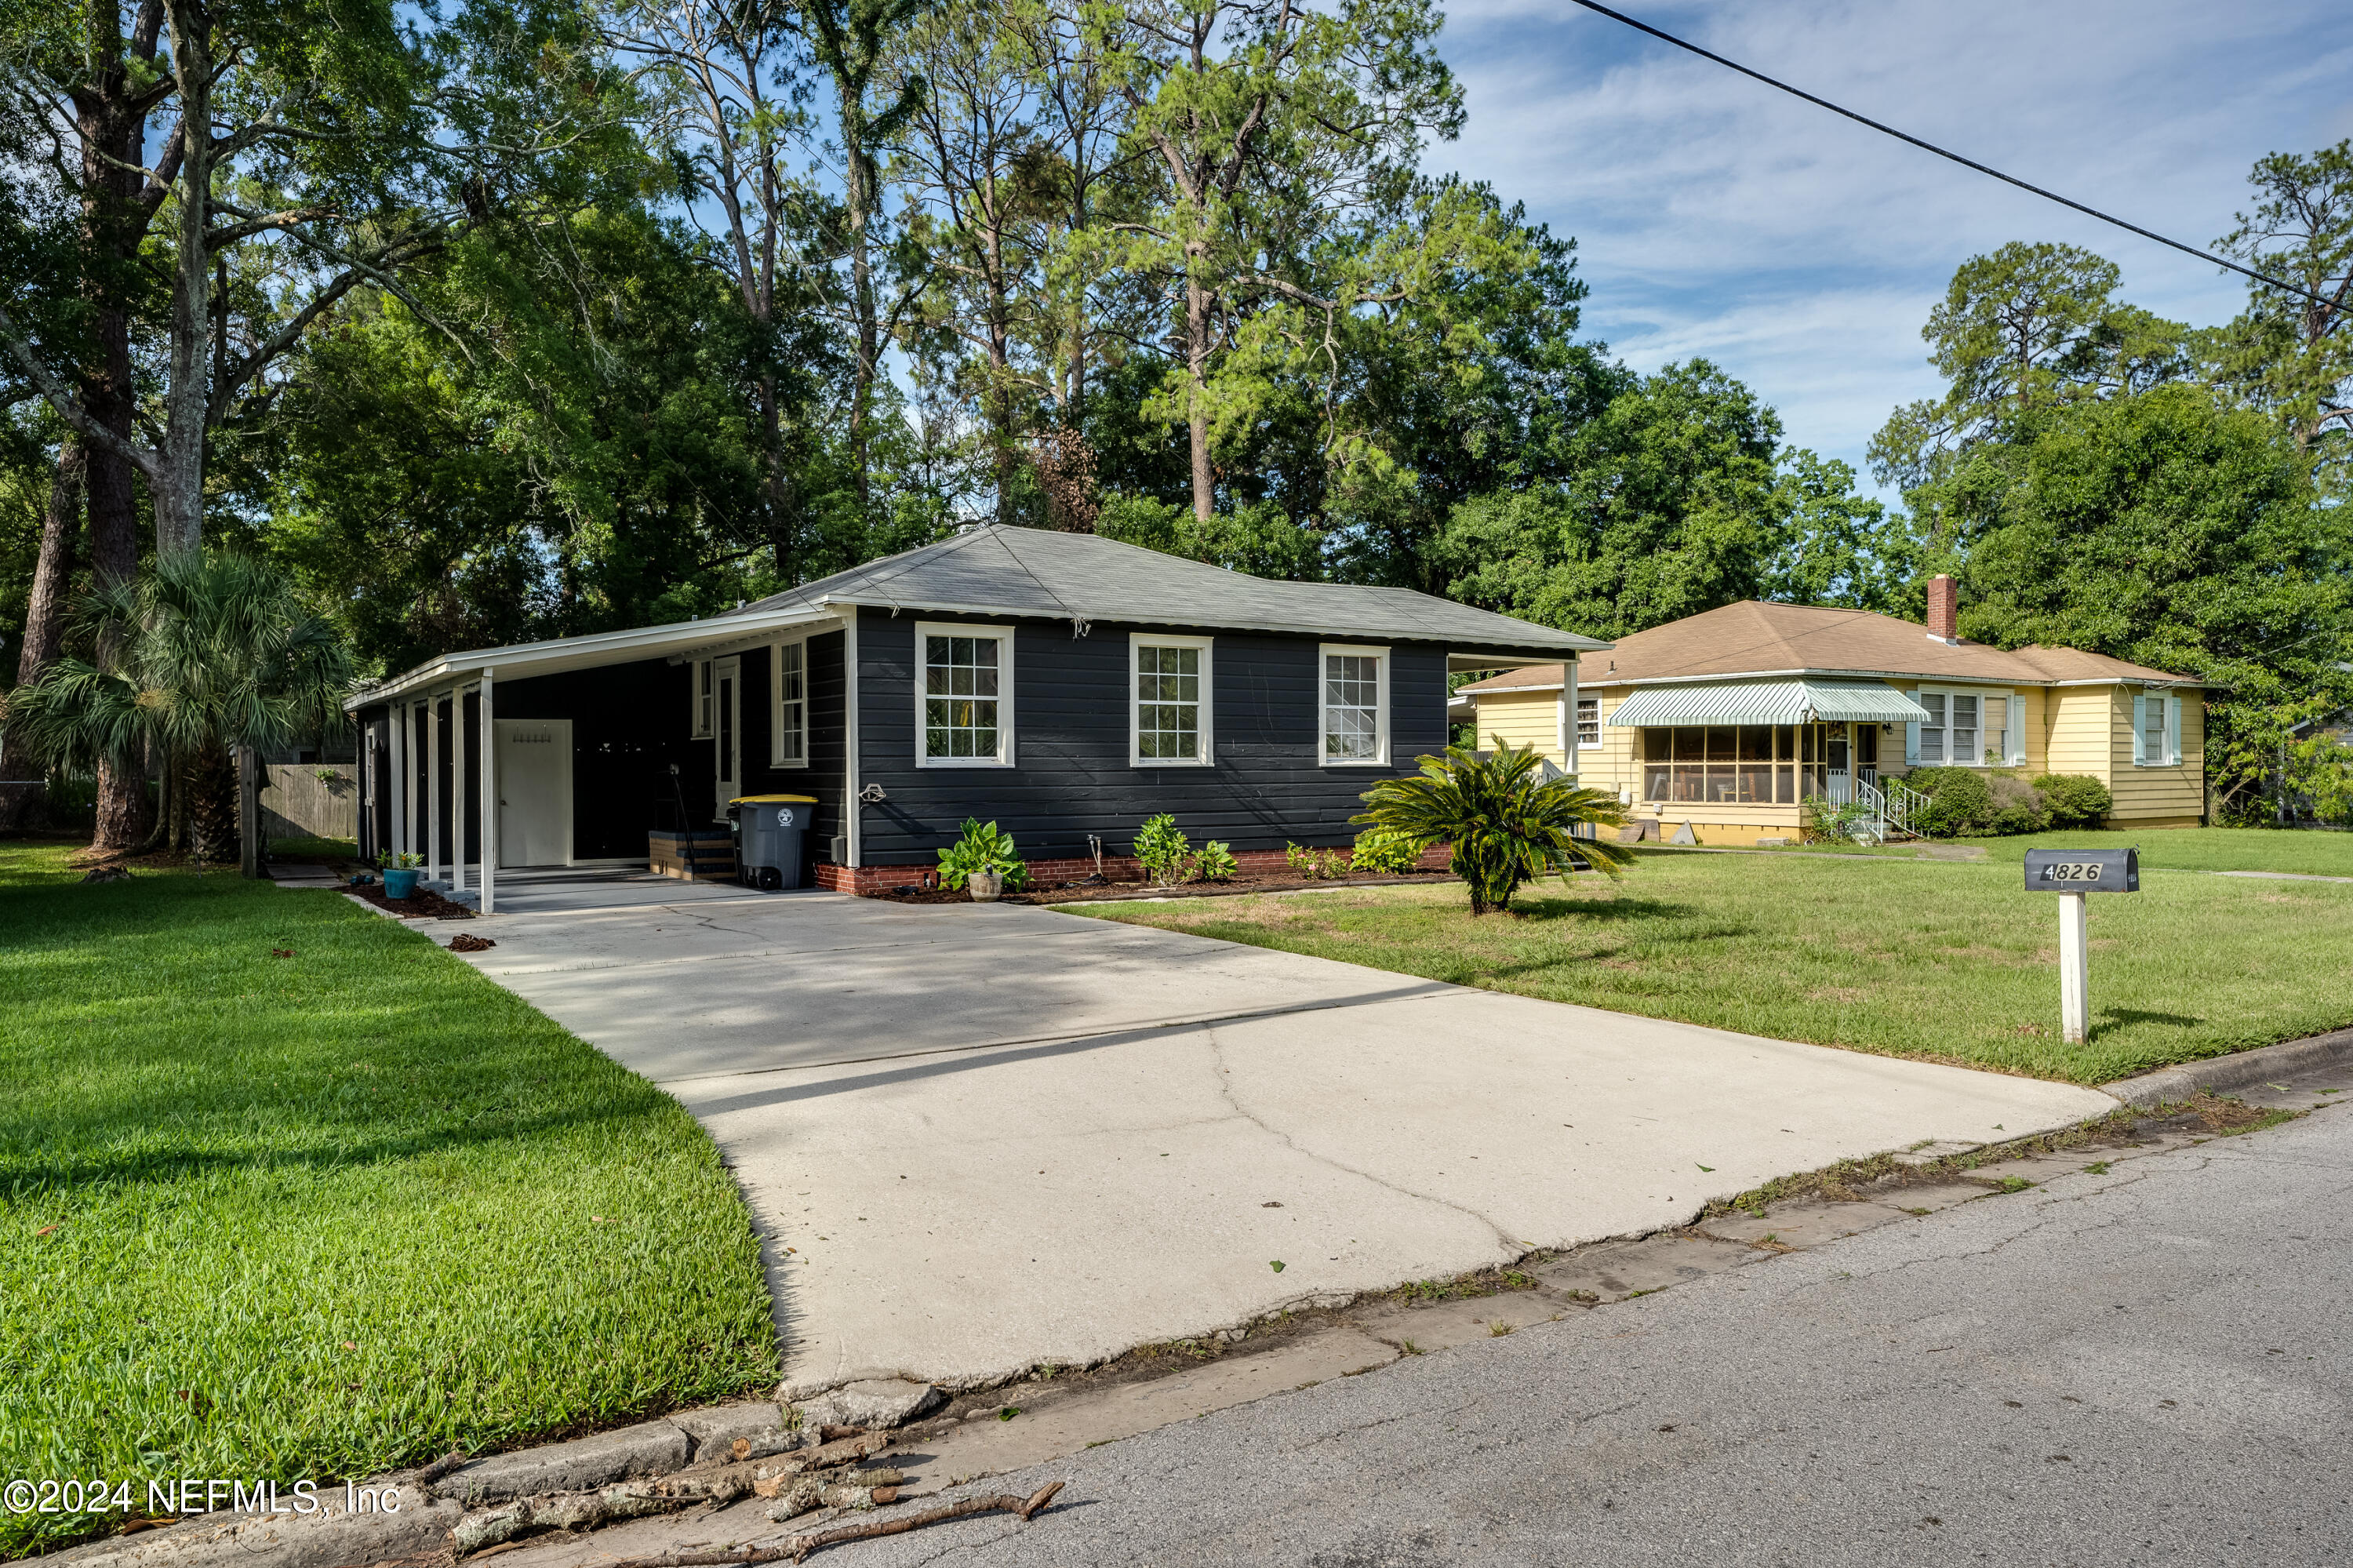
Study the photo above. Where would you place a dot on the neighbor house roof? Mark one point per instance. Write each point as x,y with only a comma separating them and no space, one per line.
1756,638
992,569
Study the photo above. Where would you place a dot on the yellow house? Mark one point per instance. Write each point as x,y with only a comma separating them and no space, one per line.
1718,728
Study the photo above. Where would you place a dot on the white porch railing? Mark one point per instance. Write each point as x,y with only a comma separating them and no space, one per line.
1891,805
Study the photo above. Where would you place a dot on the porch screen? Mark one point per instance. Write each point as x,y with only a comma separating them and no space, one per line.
960,696
1743,765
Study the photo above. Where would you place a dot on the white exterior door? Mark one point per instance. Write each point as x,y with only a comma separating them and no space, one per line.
535,776
727,682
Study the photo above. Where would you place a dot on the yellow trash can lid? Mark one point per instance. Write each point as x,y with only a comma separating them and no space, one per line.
765,799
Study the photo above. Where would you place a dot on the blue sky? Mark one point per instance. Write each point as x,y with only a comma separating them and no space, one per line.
1717,217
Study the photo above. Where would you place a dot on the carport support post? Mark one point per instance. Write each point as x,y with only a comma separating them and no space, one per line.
458,790
399,739
489,801
433,788
2074,970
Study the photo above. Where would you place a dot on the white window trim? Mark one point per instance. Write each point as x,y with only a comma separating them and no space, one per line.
1004,636
1380,759
776,758
2168,710
1583,744
733,672
1949,693
700,687
1205,728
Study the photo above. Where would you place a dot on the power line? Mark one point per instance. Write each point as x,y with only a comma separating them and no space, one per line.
1955,157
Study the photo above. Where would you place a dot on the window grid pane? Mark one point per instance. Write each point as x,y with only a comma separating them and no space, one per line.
1588,721
1352,696
1169,703
960,696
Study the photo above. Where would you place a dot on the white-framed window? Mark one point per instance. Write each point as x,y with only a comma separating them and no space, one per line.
1170,712
1588,722
963,702
705,701
1354,683
1964,728
2157,730
789,714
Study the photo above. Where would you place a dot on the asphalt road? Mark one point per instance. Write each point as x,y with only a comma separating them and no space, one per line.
2149,1366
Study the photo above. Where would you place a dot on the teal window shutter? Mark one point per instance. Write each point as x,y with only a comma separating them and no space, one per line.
1912,735
2140,731
2173,731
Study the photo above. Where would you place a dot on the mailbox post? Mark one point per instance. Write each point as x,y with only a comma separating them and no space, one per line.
2072,874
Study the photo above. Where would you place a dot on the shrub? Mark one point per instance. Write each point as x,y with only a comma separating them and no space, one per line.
1321,864
2073,799
1214,863
1835,824
1959,801
1508,825
981,848
1384,852
1161,848
2018,806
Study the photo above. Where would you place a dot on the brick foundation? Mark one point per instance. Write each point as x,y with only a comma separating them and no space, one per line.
869,881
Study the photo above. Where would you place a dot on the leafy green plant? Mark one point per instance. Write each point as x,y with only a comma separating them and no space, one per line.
1959,801
2018,806
1214,863
981,848
1839,824
1508,825
400,860
1162,849
1388,853
2073,799
1318,864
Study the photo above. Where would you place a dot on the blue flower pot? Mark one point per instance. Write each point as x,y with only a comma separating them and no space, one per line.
400,883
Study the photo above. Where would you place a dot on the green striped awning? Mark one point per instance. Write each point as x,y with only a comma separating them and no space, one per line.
1768,702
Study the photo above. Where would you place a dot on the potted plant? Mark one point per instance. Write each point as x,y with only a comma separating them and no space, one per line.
982,863
400,873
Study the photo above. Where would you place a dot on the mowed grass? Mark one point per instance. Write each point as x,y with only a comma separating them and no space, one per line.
320,1216
2301,852
1947,962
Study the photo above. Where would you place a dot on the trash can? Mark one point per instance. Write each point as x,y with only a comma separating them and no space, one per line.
768,831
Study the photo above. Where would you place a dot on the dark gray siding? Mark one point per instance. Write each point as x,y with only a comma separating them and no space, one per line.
1071,776
822,777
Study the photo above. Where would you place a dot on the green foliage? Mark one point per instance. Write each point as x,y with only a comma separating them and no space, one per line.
1508,825
1315,865
400,860
2285,354
1840,824
1214,863
1168,857
2073,799
980,847
1671,504
1387,852
1959,801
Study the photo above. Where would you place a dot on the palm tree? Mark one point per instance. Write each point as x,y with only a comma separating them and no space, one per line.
1508,825
204,653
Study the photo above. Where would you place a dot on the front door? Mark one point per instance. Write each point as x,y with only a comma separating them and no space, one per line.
726,679
534,792
1866,753
1842,790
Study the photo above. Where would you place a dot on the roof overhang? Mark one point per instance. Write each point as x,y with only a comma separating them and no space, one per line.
1768,702
675,641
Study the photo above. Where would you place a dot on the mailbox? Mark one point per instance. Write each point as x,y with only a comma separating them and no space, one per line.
2082,871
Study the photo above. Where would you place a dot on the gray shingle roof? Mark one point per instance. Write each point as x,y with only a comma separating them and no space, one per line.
996,570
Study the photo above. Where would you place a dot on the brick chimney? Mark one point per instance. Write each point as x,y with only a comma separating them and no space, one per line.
1944,610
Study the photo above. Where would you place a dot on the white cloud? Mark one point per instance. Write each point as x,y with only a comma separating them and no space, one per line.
1717,216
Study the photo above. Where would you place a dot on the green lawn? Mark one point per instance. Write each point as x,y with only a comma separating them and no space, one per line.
2180,849
1951,962
318,1215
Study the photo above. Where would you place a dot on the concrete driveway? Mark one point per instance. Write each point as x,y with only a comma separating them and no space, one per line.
981,1139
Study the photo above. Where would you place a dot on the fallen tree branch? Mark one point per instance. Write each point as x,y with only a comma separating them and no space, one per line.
796,1548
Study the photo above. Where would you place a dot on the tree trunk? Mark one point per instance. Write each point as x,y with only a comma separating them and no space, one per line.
45,611
857,200
212,805
1197,385
179,496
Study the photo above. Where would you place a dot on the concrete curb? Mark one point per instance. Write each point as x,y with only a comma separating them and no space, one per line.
2219,1075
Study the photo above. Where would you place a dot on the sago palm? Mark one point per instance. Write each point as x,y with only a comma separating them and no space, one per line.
1507,824
198,656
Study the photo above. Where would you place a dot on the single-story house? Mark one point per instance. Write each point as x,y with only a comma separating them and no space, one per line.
1729,721
1063,685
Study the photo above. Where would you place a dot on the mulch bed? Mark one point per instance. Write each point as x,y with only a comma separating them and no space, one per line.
421,904
1090,890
